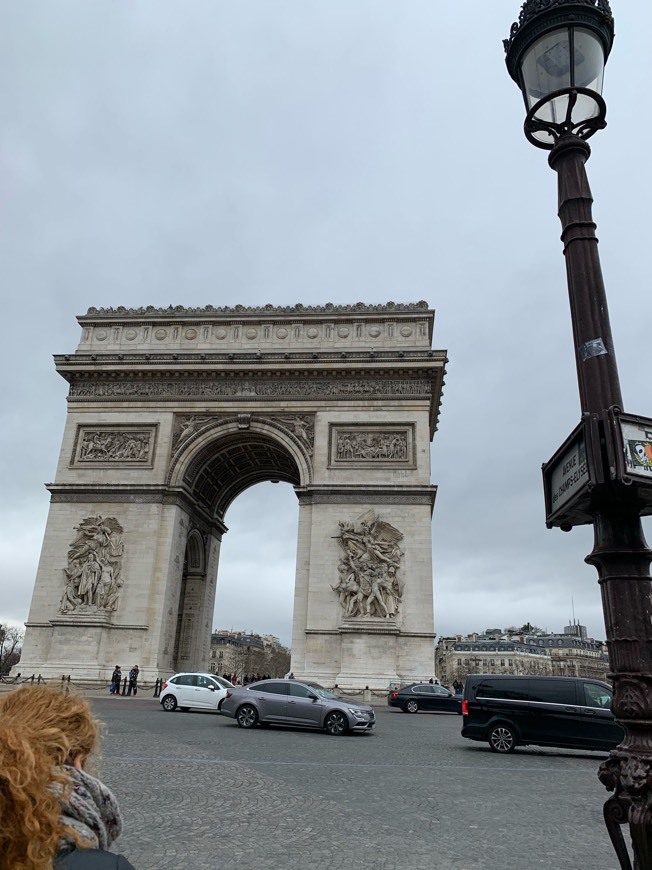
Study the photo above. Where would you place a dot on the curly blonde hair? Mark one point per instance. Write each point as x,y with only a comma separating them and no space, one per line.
41,729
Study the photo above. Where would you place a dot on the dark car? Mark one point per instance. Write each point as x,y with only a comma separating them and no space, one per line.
569,712
293,702
424,696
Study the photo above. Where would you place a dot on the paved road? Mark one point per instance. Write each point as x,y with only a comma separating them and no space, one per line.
198,792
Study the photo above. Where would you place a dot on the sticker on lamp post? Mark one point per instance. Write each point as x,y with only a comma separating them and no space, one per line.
630,461
637,443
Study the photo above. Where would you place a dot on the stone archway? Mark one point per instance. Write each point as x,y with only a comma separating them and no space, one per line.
172,413
193,581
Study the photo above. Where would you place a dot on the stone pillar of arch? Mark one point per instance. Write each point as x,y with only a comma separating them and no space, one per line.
172,413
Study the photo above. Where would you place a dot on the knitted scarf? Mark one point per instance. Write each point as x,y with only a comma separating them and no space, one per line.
91,811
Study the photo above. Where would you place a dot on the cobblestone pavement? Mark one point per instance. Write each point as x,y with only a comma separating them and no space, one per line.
198,792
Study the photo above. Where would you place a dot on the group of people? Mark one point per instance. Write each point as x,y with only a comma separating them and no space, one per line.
55,813
116,679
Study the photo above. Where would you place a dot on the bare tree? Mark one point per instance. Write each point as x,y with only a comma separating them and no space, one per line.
11,644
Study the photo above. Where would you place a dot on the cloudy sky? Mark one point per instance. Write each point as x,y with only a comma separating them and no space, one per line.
284,151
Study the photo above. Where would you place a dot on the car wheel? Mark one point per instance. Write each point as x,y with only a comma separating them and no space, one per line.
502,738
169,703
246,717
411,706
336,723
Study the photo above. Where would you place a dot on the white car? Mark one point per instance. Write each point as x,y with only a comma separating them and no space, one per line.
200,690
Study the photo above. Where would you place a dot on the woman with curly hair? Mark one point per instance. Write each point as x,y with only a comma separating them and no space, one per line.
53,813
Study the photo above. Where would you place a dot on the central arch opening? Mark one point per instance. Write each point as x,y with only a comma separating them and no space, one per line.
255,587
252,588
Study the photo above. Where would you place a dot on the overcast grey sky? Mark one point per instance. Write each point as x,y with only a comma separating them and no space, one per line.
284,151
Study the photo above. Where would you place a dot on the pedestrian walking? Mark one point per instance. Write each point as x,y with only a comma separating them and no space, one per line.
54,813
133,680
116,678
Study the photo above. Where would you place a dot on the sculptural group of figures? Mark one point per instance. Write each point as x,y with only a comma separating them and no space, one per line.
92,578
98,446
384,445
369,583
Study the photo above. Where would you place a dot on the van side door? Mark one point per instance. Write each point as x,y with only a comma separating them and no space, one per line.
555,718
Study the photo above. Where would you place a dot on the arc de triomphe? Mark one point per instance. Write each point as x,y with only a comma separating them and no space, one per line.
172,413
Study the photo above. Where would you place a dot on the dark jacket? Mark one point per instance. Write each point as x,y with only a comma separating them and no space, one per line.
92,859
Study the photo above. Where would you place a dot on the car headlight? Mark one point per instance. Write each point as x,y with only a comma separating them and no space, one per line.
357,713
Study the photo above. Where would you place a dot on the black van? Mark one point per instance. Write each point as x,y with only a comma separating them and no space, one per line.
508,711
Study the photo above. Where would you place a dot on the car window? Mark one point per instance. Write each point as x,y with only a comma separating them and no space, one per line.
509,689
222,682
298,690
321,692
204,682
560,691
184,680
596,696
272,688
440,690
421,688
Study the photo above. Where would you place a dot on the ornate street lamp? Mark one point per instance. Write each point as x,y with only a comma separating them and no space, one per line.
602,473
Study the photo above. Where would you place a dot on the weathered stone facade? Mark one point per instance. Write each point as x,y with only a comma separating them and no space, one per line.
174,412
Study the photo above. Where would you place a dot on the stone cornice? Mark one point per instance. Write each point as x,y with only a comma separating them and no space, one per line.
211,312
364,630
368,495
86,622
79,493
336,361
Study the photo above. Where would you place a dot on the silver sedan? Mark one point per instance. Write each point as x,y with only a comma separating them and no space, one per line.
292,702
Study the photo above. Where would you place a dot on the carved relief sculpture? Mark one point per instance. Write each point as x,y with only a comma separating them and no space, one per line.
376,446
369,583
304,429
92,577
361,445
192,389
186,426
108,445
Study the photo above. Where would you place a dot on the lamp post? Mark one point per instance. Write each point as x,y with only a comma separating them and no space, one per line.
556,53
